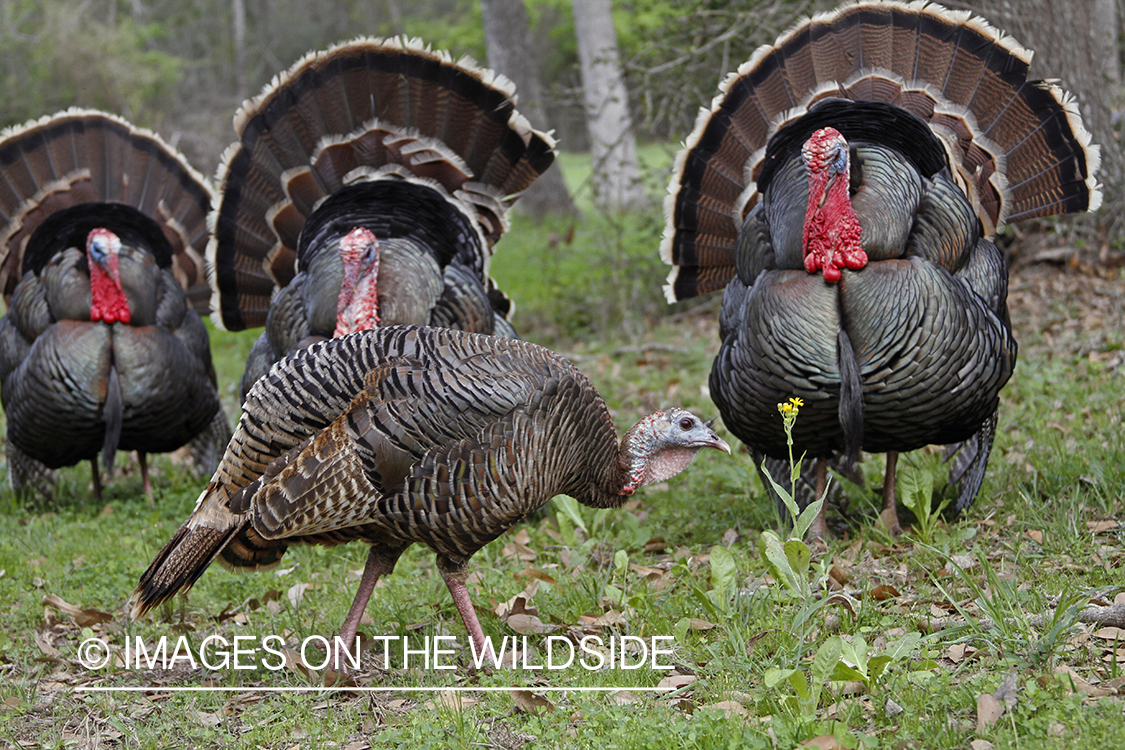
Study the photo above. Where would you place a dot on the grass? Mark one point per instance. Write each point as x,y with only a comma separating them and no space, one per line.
1044,530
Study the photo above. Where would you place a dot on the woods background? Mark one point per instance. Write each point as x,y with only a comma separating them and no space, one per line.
182,68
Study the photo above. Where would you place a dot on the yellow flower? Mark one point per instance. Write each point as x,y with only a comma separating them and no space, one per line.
789,412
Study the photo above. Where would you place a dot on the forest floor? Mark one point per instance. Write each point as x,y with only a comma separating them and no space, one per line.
973,632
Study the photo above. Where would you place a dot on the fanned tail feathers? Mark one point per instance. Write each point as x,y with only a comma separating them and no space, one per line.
80,155
365,110
1017,147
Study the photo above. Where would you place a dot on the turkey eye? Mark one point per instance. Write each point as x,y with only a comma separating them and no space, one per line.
685,424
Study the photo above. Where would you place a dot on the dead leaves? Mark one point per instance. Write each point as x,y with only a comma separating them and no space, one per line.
991,706
528,702
519,614
1073,682
86,617
518,546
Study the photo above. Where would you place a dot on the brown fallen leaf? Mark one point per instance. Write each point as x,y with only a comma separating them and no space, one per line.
528,624
845,601
625,698
42,640
205,718
1034,535
1101,526
296,593
884,591
535,573
730,708
519,548
981,745
611,619
1077,683
332,678
646,572
839,575
989,711
520,604
677,681
294,663
528,702
823,742
960,651
83,617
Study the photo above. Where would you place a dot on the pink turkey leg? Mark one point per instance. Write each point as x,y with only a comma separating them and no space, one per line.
468,614
376,567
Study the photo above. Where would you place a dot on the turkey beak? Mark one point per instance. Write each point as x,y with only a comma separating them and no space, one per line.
714,440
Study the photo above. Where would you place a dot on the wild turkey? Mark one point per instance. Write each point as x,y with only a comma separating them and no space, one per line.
104,226
369,185
878,299
406,434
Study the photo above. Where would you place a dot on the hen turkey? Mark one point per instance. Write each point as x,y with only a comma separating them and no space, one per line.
102,349
368,187
404,434
844,188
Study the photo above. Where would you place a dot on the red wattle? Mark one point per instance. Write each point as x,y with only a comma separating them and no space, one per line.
107,300
832,231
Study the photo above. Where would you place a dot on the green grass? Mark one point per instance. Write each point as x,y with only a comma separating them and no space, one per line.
1031,538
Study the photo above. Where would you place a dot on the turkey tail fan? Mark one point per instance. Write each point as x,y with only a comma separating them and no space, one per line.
1017,147
81,156
367,109
179,565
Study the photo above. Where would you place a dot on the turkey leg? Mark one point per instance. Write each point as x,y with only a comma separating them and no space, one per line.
455,582
379,564
143,459
890,503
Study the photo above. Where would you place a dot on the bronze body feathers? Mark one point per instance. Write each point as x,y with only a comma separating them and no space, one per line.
400,435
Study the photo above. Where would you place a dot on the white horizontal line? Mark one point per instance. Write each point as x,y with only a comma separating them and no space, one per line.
227,689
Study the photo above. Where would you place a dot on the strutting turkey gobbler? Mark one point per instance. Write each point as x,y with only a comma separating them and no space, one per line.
368,187
407,434
104,227
843,189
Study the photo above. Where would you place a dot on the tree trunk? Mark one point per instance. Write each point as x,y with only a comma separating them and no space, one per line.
613,146
507,34
238,13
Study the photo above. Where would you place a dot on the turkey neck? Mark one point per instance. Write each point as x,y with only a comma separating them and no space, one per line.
357,306
831,233
107,297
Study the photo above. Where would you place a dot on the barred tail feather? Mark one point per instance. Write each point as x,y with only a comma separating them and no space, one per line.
179,565
1017,146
